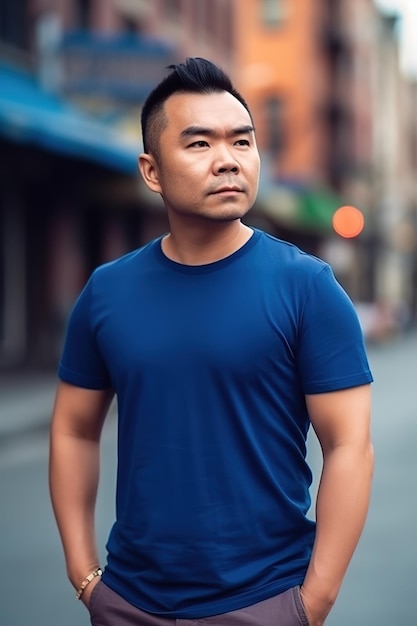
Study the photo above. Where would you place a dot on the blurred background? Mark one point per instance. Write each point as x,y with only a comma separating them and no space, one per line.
332,85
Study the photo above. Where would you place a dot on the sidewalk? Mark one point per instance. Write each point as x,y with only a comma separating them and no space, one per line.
26,402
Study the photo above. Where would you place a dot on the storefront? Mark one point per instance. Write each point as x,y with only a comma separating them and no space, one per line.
70,198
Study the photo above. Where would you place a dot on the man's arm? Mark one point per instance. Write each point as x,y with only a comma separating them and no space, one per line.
77,421
341,420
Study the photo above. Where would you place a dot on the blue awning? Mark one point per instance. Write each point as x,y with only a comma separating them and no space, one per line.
29,115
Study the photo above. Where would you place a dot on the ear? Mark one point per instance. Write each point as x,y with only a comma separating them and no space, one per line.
149,171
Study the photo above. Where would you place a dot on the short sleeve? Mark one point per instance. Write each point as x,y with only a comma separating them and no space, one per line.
81,361
331,352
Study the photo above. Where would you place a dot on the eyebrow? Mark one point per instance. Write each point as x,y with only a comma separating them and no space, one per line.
193,130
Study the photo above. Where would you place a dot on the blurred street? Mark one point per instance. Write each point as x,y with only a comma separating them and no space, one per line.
380,582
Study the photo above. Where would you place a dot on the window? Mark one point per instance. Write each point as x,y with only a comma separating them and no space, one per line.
129,25
173,9
211,12
12,280
274,12
83,12
13,23
274,111
226,23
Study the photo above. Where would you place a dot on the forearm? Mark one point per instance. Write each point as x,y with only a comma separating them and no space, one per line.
73,475
341,509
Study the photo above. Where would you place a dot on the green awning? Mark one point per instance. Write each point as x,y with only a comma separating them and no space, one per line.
301,208
316,209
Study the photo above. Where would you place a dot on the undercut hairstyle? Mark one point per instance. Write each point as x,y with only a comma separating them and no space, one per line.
196,75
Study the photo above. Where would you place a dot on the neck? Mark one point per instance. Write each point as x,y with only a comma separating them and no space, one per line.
199,247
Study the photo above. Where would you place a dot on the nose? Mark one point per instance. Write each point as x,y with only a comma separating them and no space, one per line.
225,162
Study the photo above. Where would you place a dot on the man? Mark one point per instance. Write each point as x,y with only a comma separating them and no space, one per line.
222,345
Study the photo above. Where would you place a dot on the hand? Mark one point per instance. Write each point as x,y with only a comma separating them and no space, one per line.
315,610
85,598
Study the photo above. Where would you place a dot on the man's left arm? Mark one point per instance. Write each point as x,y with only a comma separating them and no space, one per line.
341,420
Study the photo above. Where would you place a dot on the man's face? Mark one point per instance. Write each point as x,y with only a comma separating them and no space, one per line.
208,162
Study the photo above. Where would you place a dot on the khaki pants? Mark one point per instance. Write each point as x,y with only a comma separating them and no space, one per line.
107,608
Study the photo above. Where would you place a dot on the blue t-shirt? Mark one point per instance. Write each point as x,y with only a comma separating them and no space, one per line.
211,365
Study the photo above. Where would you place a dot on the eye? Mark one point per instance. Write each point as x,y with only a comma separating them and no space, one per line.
198,144
242,142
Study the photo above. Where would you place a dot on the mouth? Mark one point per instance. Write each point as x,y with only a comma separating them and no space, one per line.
228,190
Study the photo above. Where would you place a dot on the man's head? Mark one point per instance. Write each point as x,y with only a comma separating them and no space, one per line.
200,147
196,75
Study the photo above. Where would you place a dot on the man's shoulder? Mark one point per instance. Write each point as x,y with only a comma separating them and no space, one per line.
290,255
130,262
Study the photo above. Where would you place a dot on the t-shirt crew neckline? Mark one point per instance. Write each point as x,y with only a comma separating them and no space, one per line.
207,267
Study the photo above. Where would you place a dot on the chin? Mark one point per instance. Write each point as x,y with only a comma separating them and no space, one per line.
227,214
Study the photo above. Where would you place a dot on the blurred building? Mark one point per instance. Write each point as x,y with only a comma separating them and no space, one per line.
59,170
394,177
67,178
289,62
381,179
335,124
71,197
334,113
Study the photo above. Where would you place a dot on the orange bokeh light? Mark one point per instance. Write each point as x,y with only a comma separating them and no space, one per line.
348,221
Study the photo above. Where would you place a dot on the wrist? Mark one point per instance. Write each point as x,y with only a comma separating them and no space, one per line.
96,572
79,567
317,604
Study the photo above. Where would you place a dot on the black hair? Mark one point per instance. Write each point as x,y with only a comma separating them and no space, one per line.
196,75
